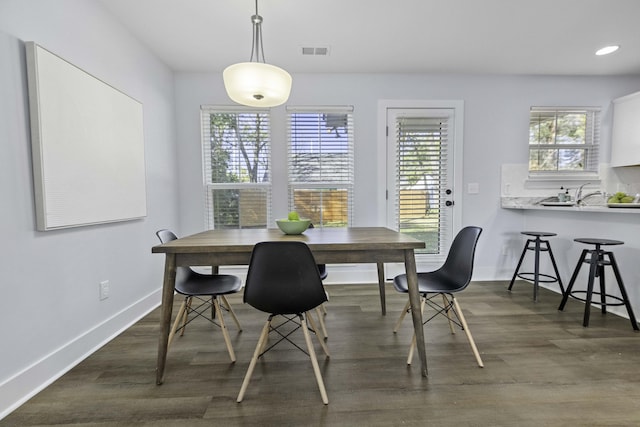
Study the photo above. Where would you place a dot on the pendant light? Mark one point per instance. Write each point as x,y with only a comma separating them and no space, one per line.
256,83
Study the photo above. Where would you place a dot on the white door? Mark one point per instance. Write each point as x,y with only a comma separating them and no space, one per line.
422,178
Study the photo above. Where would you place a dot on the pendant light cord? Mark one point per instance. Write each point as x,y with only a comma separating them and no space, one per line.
257,48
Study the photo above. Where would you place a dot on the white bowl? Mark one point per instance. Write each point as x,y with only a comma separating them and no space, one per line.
293,227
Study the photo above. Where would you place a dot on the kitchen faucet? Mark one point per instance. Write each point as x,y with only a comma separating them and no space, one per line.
578,197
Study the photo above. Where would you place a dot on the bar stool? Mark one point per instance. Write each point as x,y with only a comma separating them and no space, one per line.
536,245
597,262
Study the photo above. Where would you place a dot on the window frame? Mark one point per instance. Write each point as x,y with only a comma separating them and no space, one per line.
323,184
551,178
209,186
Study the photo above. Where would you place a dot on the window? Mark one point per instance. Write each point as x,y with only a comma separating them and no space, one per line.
563,141
236,166
320,158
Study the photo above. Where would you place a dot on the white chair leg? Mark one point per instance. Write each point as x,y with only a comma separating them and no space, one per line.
174,328
467,332
312,323
404,312
188,301
225,331
316,367
254,359
231,312
323,326
445,301
412,347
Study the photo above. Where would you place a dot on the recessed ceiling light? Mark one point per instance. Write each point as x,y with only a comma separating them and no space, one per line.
607,50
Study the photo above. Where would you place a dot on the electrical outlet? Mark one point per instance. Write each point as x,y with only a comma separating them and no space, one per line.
104,290
505,250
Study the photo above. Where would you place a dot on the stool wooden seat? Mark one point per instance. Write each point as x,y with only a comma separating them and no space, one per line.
537,244
597,262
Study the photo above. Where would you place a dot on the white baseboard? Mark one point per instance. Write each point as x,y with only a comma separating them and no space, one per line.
25,384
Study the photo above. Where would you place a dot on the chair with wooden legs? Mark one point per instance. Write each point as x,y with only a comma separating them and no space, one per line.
452,277
203,292
283,280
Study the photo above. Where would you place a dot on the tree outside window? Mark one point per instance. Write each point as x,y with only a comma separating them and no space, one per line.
321,164
236,154
563,140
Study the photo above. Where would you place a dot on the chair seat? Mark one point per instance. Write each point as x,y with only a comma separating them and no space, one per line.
322,269
603,242
538,233
430,282
202,285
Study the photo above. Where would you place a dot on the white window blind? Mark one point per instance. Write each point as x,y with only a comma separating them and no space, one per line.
563,141
422,180
321,164
236,153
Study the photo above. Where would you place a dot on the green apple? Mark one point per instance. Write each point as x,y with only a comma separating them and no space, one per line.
620,197
293,216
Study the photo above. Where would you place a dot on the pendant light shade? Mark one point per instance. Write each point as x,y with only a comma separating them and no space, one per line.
256,83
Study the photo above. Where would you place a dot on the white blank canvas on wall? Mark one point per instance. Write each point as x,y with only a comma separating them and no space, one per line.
87,146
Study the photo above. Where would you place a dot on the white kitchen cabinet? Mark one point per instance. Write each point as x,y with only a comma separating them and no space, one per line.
625,141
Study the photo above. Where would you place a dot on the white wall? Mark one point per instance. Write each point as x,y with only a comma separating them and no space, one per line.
496,123
50,312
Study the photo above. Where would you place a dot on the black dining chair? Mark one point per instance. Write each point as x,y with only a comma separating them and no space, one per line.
283,280
206,290
452,277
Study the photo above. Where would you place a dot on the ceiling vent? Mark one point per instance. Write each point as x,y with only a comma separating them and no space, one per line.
317,51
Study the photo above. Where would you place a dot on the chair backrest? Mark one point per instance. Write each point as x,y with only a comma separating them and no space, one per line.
283,278
182,273
458,267
166,235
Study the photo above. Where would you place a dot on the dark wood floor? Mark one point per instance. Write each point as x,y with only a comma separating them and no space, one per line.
542,368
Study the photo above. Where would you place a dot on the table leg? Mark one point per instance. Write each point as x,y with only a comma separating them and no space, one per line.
165,314
414,300
383,300
536,270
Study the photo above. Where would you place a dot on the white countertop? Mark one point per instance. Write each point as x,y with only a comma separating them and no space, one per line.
533,203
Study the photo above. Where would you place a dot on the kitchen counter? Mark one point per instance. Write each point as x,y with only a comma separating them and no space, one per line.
533,203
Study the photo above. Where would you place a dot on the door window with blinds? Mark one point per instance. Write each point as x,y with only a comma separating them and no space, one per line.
236,165
563,141
321,164
422,198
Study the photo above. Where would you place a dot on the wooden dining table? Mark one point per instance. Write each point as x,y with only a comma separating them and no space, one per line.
329,246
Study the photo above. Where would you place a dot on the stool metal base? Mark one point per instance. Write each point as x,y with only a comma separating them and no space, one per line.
536,277
597,262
